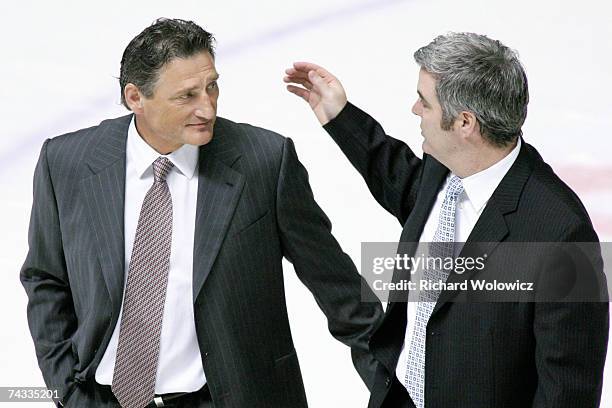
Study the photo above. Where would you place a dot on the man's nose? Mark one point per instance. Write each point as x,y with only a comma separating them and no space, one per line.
417,108
205,107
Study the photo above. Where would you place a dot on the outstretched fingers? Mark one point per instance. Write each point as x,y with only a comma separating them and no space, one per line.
323,91
305,67
298,79
301,92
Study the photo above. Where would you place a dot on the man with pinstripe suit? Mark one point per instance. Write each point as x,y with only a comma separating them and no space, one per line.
154,272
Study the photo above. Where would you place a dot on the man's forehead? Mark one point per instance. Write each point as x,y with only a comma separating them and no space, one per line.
426,86
426,81
193,66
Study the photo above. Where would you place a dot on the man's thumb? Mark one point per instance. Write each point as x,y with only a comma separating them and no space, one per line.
315,78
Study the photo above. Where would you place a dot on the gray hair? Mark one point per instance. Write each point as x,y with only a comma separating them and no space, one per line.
477,74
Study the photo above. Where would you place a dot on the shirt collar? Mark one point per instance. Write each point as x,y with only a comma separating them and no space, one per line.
185,158
479,187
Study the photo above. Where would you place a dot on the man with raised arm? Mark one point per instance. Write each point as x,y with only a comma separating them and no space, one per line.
478,182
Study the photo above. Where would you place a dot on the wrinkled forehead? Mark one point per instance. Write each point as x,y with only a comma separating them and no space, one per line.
196,68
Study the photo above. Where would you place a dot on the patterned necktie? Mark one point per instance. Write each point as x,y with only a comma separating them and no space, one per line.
441,247
143,305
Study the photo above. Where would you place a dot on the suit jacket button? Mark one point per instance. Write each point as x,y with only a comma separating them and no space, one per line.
387,382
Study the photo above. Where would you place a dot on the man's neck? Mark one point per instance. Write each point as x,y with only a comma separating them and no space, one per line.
481,158
161,146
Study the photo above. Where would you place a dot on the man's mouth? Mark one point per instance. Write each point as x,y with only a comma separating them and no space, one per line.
199,124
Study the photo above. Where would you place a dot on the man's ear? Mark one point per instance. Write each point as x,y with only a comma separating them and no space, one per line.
133,98
467,124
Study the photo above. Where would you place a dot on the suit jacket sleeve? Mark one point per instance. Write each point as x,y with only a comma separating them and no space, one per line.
389,167
321,264
50,310
572,337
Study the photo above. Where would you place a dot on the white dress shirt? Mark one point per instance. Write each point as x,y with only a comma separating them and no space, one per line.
477,190
180,364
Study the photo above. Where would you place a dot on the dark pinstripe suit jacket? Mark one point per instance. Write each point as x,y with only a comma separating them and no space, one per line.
254,206
506,354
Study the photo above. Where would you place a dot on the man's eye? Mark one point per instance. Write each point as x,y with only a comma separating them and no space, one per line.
186,96
212,85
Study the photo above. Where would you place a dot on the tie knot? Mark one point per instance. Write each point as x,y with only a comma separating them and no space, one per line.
161,167
455,187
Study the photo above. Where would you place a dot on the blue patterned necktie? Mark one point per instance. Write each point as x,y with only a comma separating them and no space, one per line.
441,247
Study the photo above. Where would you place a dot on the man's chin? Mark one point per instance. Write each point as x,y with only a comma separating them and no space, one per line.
425,147
199,138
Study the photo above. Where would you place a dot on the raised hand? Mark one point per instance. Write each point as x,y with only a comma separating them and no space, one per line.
323,92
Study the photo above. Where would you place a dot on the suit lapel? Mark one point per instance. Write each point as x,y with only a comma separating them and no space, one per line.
489,231
434,174
219,188
491,227
395,316
104,192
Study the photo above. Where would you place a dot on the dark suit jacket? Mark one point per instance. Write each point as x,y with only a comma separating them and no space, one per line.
506,354
254,206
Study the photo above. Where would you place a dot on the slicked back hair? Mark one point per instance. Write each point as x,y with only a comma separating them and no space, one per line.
157,45
477,74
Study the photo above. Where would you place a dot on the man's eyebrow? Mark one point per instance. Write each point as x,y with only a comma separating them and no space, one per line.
187,89
194,87
214,77
422,97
